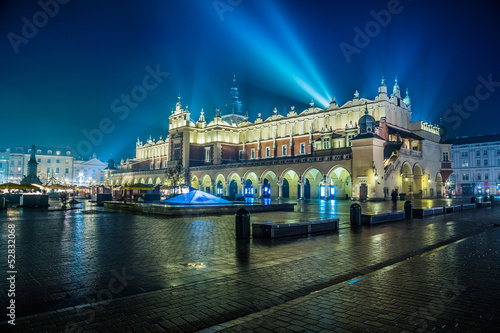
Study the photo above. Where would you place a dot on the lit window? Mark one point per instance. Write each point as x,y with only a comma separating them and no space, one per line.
207,154
284,150
58,152
302,148
465,164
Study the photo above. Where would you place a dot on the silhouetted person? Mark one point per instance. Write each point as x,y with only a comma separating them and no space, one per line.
394,196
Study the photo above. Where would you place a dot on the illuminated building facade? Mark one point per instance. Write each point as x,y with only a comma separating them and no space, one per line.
476,163
53,164
362,150
4,166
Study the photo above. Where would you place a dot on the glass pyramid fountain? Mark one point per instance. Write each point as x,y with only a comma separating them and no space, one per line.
196,197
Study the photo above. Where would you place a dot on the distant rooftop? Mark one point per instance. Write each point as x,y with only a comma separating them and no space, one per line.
475,139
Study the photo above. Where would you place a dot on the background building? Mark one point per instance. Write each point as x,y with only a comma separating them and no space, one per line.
88,171
54,164
362,149
4,166
476,163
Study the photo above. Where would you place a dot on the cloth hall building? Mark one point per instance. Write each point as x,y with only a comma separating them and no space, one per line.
360,150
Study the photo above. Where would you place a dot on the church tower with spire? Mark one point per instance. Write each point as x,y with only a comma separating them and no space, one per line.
234,107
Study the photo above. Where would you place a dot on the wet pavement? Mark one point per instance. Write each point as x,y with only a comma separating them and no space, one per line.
113,272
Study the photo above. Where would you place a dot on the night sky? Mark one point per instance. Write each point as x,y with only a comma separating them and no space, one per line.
68,76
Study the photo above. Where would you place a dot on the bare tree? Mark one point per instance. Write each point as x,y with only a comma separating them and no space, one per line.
175,175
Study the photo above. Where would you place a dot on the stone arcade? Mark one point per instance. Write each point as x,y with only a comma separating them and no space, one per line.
360,150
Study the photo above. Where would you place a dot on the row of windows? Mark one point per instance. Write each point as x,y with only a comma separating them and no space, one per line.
478,153
158,164
39,151
465,164
465,176
284,151
57,170
85,170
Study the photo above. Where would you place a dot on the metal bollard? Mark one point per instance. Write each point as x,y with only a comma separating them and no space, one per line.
242,224
408,209
355,215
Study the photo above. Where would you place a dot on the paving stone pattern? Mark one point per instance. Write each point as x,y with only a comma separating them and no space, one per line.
190,274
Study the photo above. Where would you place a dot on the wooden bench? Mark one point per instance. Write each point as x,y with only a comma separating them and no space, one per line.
289,228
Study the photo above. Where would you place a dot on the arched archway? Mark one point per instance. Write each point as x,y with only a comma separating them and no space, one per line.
206,184
220,186
417,181
136,180
312,183
290,185
340,182
271,191
439,185
251,185
234,186
406,174
195,183
158,181
150,181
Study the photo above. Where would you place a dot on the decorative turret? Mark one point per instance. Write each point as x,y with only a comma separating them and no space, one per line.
202,116
111,164
407,98
217,113
234,107
201,121
395,90
178,105
382,90
367,123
